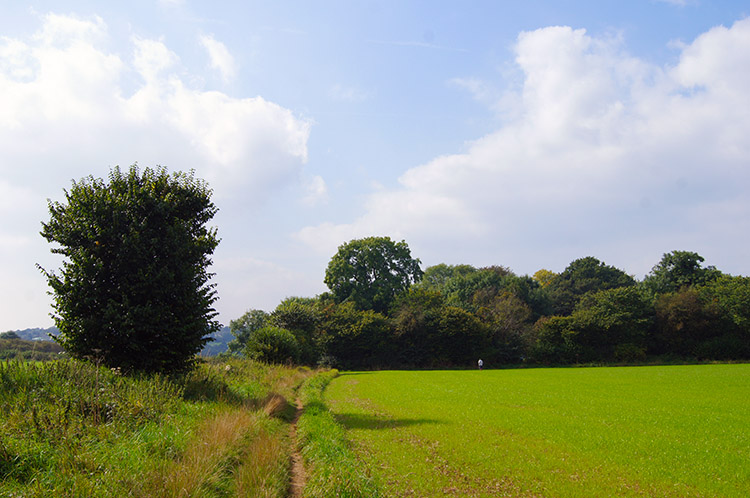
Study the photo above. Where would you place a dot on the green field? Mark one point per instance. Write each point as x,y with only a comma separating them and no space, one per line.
679,431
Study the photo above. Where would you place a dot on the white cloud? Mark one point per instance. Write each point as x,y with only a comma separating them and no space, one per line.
62,87
221,59
605,151
65,115
152,59
67,30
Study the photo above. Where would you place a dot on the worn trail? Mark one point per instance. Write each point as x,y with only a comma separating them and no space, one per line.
298,474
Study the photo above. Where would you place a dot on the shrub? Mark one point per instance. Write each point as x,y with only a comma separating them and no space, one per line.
273,345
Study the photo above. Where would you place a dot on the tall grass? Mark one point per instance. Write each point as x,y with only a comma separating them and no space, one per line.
60,418
205,466
264,472
70,428
333,468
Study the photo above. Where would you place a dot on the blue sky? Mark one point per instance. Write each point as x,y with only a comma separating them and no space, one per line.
525,134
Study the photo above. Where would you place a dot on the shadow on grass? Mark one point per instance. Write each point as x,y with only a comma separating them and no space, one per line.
360,421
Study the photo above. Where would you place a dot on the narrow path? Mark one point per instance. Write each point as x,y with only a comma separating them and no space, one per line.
298,474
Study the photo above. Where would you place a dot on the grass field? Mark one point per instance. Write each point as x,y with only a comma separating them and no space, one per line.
675,431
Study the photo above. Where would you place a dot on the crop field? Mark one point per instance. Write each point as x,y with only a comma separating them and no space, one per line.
672,431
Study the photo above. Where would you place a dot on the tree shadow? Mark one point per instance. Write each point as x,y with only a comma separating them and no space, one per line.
374,422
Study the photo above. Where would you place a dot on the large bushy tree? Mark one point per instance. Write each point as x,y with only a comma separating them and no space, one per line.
437,276
301,317
352,338
134,290
686,320
371,272
613,324
462,289
678,269
582,276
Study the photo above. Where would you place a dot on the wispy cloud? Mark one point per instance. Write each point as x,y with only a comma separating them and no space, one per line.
221,59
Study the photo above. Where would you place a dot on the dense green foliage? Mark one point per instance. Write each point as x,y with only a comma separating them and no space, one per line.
273,345
133,290
676,431
371,272
581,277
20,349
589,313
679,269
243,327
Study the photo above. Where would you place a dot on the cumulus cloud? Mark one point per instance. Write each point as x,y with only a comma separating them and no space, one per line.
221,59
62,85
72,107
151,59
605,152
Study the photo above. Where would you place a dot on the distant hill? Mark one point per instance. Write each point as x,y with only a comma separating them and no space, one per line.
213,348
36,334
219,343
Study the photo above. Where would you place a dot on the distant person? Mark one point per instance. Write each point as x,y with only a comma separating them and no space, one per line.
480,363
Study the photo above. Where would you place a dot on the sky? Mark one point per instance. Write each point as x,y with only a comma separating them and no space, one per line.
523,134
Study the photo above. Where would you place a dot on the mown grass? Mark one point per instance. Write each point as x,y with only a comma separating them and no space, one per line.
678,431
333,468
71,428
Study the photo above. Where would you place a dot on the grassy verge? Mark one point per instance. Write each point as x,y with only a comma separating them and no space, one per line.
333,468
69,428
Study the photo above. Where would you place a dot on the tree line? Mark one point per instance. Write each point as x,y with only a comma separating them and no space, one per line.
383,311
134,293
